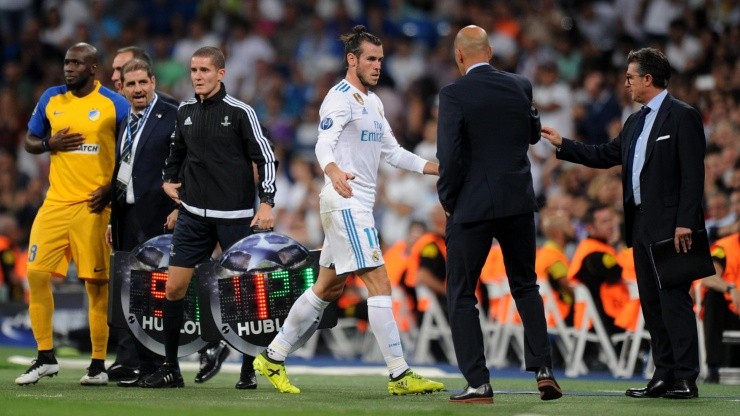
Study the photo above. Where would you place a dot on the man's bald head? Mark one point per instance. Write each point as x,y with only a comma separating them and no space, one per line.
89,52
471,47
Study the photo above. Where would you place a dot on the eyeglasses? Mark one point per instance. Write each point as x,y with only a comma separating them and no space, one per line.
630,78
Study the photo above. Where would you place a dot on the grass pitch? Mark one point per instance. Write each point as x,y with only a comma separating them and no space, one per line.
335,395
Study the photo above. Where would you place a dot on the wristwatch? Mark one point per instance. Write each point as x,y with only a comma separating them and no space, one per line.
729,288
268,200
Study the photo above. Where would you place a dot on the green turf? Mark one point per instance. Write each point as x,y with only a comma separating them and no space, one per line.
334,395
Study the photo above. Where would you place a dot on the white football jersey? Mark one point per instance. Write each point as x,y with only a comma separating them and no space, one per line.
354,134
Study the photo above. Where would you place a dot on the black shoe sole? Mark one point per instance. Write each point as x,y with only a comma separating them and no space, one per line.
549,390
484,400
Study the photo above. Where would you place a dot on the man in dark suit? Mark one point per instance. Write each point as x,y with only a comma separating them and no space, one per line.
661,149
485,187
127,355
140,209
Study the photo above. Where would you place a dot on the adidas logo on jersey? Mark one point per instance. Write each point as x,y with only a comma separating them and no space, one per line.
187,122
364,110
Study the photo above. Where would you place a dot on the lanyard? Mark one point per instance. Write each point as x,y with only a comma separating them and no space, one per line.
142,122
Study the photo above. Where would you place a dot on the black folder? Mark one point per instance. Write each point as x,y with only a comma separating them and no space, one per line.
673,269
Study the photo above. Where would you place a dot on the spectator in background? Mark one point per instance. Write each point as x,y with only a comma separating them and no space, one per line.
551,262
11,285
721,218
553,99
714,170
406,63
198,35
683,50
598,110
594,264
245,47
658,16
721,301
318,52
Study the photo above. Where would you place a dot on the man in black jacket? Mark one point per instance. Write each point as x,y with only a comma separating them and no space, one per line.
209,174
661,149
485,187
212,355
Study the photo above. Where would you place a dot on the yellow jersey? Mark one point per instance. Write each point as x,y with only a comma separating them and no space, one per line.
97,116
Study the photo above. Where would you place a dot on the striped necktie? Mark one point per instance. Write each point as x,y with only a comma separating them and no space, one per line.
133,125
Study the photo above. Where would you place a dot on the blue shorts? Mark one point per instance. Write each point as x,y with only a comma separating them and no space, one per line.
194,239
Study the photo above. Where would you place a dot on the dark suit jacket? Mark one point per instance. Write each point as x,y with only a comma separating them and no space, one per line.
672,179
483,138
152,205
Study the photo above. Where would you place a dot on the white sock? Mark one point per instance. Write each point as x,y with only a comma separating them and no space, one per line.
380,314
302,320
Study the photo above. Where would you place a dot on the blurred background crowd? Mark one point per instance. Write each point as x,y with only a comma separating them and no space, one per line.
284,55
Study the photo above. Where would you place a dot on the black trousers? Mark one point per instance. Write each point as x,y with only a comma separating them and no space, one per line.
718,318
468,246
669,315
130,352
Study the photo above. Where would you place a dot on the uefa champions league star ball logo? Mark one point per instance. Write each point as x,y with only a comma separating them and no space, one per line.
265,252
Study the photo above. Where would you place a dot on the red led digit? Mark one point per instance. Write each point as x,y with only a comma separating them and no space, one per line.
159,282
236,283
259,285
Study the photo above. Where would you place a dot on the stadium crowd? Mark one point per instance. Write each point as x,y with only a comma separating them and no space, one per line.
283,56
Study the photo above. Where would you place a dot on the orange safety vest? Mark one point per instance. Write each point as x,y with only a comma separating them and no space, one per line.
5,244
627,318
396,264
547,255
415,255
494,271
731,274
414,262
613,295
396,261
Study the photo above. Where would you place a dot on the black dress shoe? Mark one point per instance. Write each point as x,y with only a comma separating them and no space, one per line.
682,389
655,388
119,372
247,381
546,384
137,382
481,394
211,360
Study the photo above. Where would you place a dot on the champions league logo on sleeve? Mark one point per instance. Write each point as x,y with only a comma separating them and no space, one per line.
326,123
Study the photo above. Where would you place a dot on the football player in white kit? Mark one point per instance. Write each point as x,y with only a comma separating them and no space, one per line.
353,135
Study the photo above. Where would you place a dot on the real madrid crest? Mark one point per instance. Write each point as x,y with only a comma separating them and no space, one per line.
358,98
376,256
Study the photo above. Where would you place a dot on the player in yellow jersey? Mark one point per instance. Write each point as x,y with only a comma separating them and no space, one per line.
77,123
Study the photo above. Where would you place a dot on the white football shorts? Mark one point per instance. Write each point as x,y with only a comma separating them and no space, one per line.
350,242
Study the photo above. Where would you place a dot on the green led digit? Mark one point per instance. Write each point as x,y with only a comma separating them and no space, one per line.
308,277
285,290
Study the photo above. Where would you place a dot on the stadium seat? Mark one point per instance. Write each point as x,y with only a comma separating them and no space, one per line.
434,327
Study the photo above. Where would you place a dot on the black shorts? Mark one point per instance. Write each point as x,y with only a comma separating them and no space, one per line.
195,238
